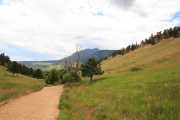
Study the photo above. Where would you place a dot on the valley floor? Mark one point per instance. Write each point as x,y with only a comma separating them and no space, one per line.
40,105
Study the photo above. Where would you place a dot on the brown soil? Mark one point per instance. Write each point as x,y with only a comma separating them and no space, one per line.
42,105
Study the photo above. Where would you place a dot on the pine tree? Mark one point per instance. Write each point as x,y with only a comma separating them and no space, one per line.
91,68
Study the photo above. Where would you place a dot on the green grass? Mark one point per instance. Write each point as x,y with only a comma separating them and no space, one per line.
53,66
145,95
45,66
12,86
42,63
142,85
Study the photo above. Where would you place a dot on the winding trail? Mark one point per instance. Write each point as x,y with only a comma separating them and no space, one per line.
42,105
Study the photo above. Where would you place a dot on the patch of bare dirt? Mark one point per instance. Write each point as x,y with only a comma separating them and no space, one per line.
42,105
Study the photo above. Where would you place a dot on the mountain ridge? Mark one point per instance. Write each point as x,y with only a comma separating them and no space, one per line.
58,64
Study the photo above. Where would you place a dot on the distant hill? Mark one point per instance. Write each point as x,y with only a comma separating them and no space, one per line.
89,53
58,64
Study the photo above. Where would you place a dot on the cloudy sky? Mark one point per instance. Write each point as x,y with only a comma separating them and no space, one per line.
51,29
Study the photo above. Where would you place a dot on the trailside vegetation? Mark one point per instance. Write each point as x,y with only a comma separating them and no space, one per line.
62,76
13,86
90,68
70,77
15,67
53,77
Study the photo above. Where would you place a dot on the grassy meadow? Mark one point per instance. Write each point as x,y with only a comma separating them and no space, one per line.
141,85
47,66
12,86
50,67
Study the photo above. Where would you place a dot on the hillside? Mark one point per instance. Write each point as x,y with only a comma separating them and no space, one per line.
141,85
58,64
12,86
88,53
165,53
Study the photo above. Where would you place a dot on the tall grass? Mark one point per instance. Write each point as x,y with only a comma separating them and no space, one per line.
12,86
142,85
145,95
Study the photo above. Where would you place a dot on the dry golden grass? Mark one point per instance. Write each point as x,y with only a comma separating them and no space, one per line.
164,53
12,86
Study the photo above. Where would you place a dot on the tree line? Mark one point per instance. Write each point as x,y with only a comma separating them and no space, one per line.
89,69
15,67
152,40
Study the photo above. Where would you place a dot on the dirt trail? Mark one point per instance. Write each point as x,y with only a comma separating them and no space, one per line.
42,105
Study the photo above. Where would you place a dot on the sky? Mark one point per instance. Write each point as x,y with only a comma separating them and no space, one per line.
51,29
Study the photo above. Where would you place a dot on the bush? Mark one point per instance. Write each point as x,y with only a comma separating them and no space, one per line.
38,74
135,69
53,77
70,77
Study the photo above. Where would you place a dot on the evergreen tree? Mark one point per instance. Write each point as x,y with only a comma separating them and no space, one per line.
14,67
91,68
53,77
4,59
38,74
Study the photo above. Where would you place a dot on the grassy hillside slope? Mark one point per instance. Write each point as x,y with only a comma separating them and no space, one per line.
12,86
141,85
165,53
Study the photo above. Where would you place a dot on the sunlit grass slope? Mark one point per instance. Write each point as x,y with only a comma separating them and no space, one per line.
12,86
142,85
165,53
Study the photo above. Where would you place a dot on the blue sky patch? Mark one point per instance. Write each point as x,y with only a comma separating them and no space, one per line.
1,2
99,13
19,52
178,25
11,1
175,16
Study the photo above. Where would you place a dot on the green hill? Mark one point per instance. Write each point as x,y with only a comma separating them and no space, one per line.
12,86
58,64
141,85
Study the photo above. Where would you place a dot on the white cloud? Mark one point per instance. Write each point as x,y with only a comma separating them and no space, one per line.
125,4
53,26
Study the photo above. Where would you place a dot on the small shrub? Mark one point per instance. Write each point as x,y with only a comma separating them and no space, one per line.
70,77
135,69
53,77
